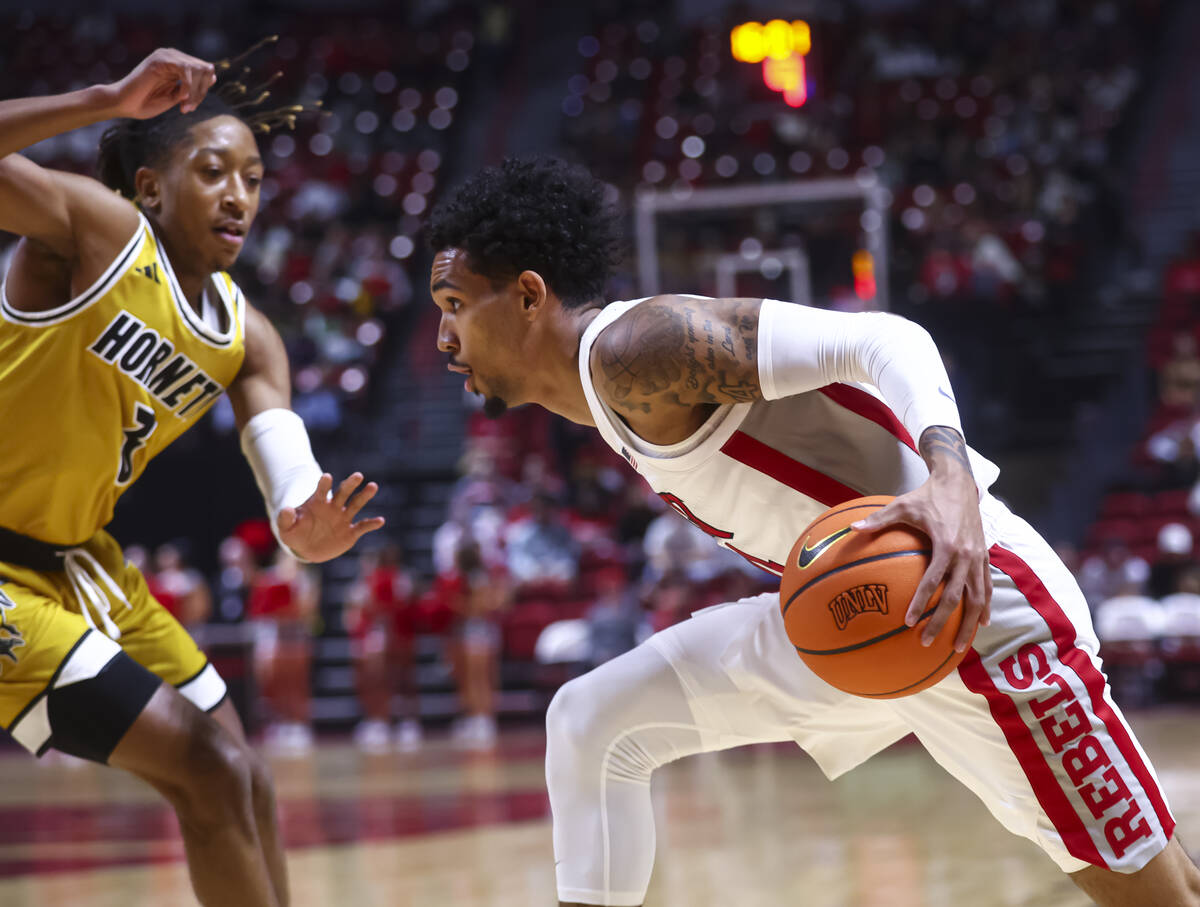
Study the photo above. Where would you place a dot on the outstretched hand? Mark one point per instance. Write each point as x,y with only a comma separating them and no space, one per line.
165,78
948,512
323,527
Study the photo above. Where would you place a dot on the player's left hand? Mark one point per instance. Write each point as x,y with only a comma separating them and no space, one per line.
323,526
946,508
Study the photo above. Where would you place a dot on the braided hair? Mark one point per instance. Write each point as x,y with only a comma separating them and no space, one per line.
129,144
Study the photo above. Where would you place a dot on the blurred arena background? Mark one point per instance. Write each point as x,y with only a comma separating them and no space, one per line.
1020,178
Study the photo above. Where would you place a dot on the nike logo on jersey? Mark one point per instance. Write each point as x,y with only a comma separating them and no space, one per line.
175,381
808,555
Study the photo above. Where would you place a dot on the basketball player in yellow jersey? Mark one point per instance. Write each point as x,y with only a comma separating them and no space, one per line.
118,329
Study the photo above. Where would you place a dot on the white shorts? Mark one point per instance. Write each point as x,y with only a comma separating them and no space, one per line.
1027,722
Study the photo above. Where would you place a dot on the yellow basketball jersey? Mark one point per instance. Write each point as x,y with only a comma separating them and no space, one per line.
91,390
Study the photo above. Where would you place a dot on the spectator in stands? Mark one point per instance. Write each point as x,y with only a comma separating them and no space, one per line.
541,554
1114,571
616,620
670,598
283,605
477,595
1175,556
639,506
1179,376
180,589
478,504
237,572
1172,454
380,618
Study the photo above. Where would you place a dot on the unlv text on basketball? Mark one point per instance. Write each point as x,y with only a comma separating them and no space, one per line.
858,600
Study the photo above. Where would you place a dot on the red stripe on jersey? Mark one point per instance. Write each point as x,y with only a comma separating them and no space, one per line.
870,407
1028,583
783,469
1045,783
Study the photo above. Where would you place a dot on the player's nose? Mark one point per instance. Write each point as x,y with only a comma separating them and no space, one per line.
446,341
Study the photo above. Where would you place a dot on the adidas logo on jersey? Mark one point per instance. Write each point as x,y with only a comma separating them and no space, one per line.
10,636
175,381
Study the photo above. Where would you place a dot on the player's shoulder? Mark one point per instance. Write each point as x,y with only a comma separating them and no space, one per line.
661,302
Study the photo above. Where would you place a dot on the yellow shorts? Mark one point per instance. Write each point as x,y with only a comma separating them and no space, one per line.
62,627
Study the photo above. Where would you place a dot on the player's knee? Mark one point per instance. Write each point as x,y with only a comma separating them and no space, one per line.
216,784
573,718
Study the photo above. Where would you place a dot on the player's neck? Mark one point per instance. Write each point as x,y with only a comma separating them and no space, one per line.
557,385
190,279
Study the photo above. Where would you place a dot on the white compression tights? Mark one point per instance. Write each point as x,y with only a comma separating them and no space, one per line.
606,732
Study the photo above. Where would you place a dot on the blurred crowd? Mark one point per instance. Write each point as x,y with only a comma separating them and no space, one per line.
990,124
330,259
1140,564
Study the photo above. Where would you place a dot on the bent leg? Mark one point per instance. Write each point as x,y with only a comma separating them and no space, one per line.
723,678
206,774
605,733
1170,878
262,792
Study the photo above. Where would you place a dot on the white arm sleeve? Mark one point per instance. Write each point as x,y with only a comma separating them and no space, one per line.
801,349
276,444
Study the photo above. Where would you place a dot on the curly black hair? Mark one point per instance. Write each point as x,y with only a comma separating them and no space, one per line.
129,144
535,213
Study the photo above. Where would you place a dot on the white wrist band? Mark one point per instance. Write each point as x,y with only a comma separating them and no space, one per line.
276,444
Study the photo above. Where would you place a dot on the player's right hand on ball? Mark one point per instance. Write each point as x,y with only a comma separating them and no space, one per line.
165,78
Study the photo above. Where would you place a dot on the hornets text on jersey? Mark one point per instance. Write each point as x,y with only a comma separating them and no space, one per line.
93,389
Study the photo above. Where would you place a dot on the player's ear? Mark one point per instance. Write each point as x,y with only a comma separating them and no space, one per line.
533,292
149,188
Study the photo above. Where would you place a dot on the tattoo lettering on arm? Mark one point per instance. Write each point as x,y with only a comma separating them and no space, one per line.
941,442
681,352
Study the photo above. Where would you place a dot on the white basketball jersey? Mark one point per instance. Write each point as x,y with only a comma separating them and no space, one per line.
755,474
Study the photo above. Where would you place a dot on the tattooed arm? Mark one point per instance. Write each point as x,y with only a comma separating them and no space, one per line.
677,351
672,354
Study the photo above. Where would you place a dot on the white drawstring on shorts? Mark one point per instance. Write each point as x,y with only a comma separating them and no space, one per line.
76,563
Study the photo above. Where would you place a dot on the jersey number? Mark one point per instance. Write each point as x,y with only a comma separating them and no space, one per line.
720,534
144,423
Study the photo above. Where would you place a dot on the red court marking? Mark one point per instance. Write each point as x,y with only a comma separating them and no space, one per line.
782,468
310,822
1078,661
870,407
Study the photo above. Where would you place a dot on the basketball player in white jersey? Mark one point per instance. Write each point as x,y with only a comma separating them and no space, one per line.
750,417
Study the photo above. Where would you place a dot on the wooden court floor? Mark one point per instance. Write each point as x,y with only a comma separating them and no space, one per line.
758,827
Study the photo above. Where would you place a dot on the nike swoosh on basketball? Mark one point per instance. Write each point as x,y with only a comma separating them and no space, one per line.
808,555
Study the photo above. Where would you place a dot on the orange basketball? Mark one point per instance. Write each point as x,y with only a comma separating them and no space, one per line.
844,595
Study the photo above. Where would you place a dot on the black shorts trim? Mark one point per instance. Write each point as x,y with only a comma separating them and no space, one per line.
90,717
